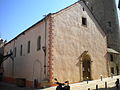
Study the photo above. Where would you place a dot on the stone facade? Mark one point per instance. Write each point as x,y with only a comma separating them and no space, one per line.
114,64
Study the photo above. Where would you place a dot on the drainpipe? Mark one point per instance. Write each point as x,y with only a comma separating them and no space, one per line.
13,59
44,48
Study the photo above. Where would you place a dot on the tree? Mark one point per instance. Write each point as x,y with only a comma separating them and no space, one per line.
3,58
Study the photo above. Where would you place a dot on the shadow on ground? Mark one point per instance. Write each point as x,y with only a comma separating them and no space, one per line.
6,86
112,88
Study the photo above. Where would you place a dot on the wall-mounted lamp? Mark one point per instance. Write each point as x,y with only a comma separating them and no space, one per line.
44,49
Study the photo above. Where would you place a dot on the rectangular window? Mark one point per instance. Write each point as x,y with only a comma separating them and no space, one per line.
109,23
111,57
83,9
15,52
112,70
21,47
28,47
117,68
91,8
84,21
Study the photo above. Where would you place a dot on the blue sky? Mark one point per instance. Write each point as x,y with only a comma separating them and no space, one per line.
17,15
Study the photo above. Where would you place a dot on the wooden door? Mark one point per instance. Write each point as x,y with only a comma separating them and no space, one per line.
86,70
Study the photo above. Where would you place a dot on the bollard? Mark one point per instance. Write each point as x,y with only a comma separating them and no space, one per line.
101,77
105,84
96,87
87,80
88,88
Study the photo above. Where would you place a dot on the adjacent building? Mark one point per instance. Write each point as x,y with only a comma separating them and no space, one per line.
68,45
105,12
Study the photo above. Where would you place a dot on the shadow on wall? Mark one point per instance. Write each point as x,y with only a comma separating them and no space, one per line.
78,65
112,88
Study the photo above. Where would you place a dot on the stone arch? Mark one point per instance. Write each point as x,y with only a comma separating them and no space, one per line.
86,66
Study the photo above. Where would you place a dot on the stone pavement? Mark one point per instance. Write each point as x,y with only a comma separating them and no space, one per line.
92,84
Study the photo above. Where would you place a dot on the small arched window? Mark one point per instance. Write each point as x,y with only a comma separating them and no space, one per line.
28,47
39,43
15,50
21,47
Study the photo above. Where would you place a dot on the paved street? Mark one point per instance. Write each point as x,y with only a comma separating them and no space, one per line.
113,88
76,86
92,84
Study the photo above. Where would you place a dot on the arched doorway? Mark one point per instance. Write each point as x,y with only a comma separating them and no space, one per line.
37,70
86,67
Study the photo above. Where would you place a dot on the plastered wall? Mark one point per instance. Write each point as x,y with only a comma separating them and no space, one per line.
30,65
71,39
